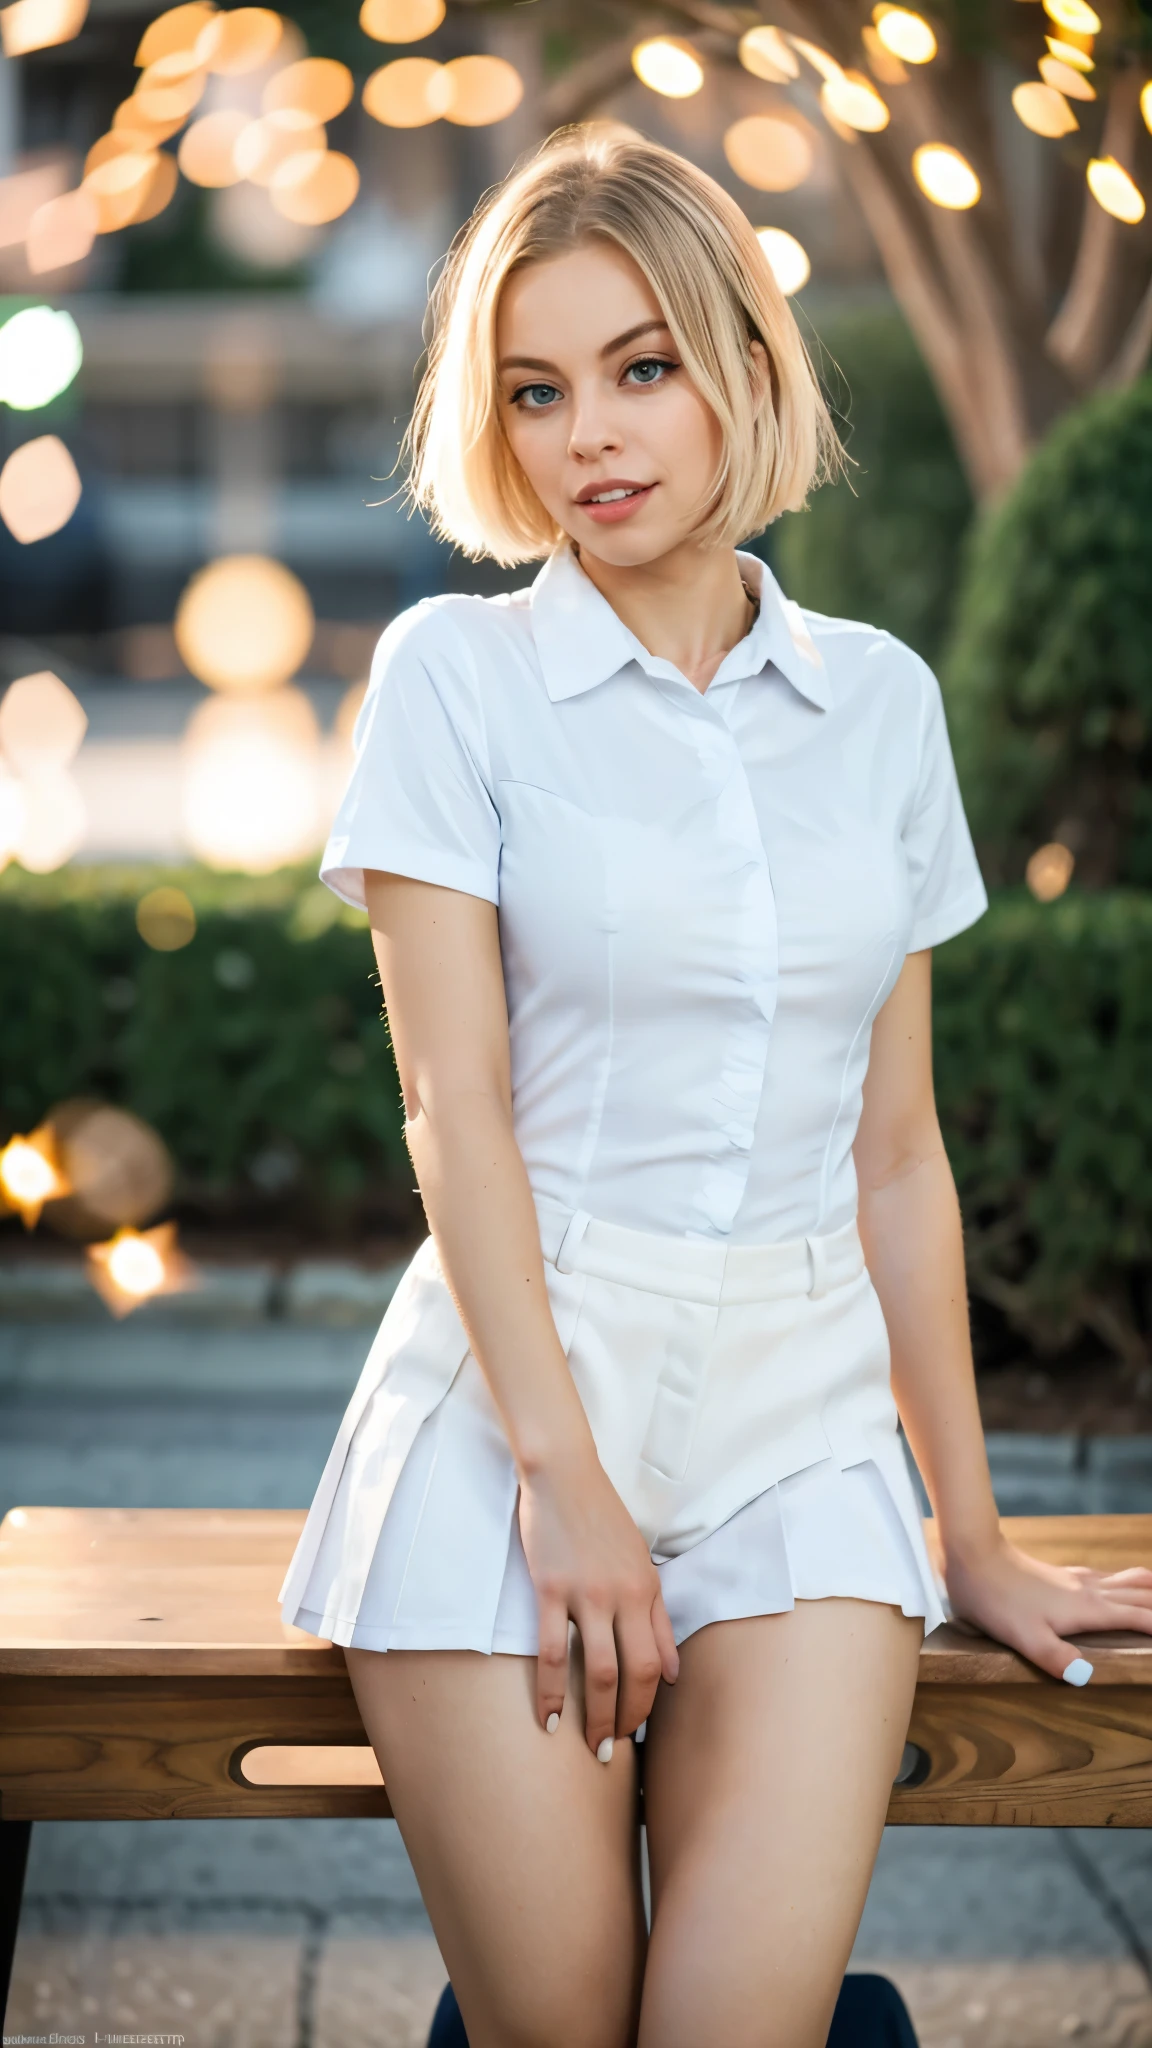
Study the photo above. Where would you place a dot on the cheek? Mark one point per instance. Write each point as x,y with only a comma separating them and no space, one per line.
538,445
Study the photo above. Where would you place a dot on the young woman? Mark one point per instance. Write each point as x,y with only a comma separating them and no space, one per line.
654,863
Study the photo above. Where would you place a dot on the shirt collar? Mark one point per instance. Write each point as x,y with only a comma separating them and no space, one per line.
581,642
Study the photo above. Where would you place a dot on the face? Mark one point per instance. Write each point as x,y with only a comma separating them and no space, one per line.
600,413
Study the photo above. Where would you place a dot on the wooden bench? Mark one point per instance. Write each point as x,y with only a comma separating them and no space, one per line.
145,1674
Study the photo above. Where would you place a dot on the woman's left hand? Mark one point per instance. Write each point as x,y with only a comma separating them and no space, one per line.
1033,1607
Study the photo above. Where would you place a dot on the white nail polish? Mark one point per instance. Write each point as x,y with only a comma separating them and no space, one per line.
604,1752
552,1723
1078,1672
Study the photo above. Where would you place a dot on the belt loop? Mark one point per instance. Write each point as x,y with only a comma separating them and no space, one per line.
571,1241
818,1253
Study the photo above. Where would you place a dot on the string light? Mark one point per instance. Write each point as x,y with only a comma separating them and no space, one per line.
787,257
852,100
1075,15
944,176
407,93
176,29
1063,78
1146,105
1070,53
1049,871
764,52
39,489
1113,189
770,153
883,65
242,40
667,65
30,1174
207,153
40,24
40,353
481,90
135,1265
1042,109
905,34
318,86
401,21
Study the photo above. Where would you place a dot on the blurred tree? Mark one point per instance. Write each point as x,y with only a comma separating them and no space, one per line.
1048,682
1033,297
883,543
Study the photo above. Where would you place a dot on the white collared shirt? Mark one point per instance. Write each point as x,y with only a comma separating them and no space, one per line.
704,897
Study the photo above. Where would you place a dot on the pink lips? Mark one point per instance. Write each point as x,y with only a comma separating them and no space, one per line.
619,508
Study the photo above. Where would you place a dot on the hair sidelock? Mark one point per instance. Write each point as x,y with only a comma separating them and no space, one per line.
717,292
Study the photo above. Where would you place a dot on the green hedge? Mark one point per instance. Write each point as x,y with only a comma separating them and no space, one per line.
258,1052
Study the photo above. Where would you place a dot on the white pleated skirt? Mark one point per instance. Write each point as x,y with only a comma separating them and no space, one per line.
740,1402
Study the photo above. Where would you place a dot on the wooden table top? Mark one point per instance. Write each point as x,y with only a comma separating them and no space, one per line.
164,1592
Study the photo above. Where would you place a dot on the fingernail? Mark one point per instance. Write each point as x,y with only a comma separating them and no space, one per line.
552,1723
1078,1672
604,1752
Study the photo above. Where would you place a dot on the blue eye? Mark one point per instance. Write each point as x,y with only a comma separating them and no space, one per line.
649,370
533,397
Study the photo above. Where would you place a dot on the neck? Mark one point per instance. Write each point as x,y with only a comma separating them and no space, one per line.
689,607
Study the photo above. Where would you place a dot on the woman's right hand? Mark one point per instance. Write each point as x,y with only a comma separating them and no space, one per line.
590,1564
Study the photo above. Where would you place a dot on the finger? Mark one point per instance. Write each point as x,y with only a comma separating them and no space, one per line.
665,1640
640,1668
551,1661
1132,1575
1058,1658
601,1676
1138,1619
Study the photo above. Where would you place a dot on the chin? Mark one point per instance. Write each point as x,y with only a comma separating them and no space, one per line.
625,547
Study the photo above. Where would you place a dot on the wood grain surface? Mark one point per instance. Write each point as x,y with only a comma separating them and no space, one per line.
143,1657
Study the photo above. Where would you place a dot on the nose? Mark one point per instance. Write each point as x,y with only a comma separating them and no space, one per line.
594,431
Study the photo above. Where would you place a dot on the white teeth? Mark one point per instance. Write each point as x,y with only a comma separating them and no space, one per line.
610,497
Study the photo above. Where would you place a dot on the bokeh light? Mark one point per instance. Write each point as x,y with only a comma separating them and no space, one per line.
42,723
40,24
170,88
40,353
118,1169
1070,53
407,93
39,489
481,90
1042,109
244,622
1113,189
131,121
55,822
166,920
1146,105
61,232
788,257
242,40
315,186
769,153
820,59
1075,15
30,1174
264,145
177,29
944,176
1064,79
13,812
854,101
251,781
881,63
905,34
117,187
1049,871
401,21
136,1265
158,189
316,86
207,152
764,52
668,65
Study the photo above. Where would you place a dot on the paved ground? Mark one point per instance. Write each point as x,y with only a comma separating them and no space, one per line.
235,1934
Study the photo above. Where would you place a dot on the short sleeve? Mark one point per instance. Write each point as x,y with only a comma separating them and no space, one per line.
418,801
948,892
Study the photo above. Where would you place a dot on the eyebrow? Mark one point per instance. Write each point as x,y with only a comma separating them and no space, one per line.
610,348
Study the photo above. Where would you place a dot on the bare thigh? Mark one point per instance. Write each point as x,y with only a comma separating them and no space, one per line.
768,1770
524,1846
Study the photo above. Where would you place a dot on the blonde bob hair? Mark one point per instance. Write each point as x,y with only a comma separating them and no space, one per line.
716,290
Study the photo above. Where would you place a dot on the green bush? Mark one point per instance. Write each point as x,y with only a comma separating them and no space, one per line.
257,1051
1048,680
884,544
259,1054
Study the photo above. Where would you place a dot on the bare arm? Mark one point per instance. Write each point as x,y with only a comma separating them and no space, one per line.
439,956
910,1226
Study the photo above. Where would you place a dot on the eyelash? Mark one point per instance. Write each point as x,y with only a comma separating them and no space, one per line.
640,363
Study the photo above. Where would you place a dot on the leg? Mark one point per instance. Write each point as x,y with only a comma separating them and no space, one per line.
767,1778
15,1837
526,1849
